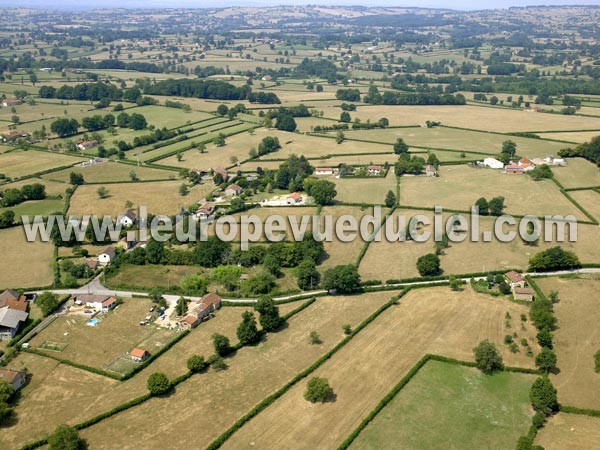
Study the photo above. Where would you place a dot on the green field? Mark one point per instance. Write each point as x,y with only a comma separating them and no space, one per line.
454,405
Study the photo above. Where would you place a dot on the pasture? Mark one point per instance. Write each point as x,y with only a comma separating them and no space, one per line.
456,139
500,120
20,163
433,320
112,172
459,187
572,431
578,173
576,339
492,409
24,264
369,190
160,198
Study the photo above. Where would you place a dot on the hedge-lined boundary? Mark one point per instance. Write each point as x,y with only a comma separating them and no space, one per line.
581,411
365,247
405,380
67,362
218,442
578,206
300,308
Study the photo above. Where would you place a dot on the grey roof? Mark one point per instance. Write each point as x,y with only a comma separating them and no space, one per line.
129,214
10,318
9,294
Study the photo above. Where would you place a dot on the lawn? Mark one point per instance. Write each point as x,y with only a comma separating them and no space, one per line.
253,373
20,163
160,198
576,339
572,431
501,120
493,409
112,171
117,333
578,173
434,320
24,264
459,187
455,139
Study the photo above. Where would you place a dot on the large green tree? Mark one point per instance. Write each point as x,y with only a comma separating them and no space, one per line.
247,331
487,357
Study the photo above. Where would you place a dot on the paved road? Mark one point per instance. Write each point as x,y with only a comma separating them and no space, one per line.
95,287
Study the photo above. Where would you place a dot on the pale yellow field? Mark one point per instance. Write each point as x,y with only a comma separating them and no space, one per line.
459,187
576,340
461,140
20,163
344,252
433,320
590,200
578,136
474,117
397,260
112,171
24,264
159,197
253,373
572,431
52,187
578,173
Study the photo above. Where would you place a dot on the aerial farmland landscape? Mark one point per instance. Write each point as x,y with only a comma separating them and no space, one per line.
259,226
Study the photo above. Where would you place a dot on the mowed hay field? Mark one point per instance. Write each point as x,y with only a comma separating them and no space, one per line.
500,120
160,197
455,139
459,187
112,171
433,320
576,339
570,431
370,190
579,137
78,395
589,200
492,409
339,252
220,398
578,173
397,260
20,163
117,333
24,264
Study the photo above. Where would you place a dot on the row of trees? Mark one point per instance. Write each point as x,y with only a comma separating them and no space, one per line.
14,196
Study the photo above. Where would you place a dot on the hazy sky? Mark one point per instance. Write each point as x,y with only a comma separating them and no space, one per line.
453,4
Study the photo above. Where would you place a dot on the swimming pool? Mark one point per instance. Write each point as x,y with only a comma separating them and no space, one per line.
92,322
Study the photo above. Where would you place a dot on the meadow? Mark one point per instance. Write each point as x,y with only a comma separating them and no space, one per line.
500,120
572,431
492,409
24,264
576,339
20,163
459,187
160,198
